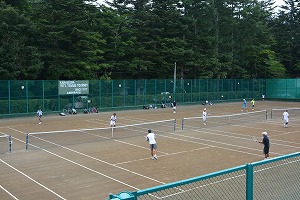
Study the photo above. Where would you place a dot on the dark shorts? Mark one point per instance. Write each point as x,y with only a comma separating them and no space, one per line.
153,146
266,150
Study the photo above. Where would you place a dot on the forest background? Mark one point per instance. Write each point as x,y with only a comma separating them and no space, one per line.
143,39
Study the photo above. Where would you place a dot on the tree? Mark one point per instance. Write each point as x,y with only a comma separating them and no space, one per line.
286,27
70,40
19,58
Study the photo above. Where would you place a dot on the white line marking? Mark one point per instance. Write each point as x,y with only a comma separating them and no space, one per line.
31,179
195,142
8,192
74,151
165,154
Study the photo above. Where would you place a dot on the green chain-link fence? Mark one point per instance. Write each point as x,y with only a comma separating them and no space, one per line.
272,179
27,96
283,88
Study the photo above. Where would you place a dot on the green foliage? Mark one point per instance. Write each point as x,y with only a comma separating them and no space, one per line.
75,39
19,59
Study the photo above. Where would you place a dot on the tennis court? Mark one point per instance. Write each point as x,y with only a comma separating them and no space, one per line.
79,157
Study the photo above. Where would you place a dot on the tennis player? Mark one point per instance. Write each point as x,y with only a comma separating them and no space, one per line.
266,142
174,106
244,105
113,120
204,115
285,118
39,115
152,141
253,103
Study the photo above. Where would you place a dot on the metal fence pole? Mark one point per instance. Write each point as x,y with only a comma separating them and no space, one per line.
249,182
112,93
8,84
43,88
27,99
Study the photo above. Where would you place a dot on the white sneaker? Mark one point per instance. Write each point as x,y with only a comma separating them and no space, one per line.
204,124
152,158
40,122
155,157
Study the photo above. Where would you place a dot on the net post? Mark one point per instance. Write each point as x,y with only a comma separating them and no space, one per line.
271,113
9,143
266,115
174,125
182,122
27,141
112,132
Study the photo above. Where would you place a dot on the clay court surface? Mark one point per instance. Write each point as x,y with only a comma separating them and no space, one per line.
89,164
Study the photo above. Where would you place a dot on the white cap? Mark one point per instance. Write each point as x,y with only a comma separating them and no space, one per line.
264,133
204,109
243,99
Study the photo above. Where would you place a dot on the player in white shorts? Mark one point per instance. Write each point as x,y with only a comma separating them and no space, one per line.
113,120
204,115
285,118
174,106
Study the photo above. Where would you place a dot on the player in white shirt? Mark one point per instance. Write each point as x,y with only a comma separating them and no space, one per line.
113,120
152,141
39,115
285,118
204,115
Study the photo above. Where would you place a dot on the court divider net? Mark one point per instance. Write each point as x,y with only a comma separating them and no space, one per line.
278,112
93,135
222,120
5,144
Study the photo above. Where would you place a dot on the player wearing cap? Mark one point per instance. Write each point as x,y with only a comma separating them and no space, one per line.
174,106
113,120
266,142
285,118
204,115
152,141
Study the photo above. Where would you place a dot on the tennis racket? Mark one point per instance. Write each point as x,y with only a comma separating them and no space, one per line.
254,139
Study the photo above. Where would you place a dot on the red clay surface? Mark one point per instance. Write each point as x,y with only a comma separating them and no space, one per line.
90,164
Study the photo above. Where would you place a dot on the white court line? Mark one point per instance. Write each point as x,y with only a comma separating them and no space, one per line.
32,179
279,140
165,154
247,138
212,141
85,155
10,194
73,162
205,144
239,138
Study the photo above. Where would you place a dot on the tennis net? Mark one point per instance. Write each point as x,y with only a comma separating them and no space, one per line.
276,113
83,136
211,121
5,144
